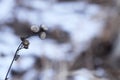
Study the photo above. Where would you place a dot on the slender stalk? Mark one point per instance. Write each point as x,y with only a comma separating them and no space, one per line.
19,47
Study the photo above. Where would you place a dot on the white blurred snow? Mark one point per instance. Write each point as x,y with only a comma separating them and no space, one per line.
82,27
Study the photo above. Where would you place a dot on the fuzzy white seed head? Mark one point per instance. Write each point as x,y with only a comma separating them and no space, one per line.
42,35
35,28
44,27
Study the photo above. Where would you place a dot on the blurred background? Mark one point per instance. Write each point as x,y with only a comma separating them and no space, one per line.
82,42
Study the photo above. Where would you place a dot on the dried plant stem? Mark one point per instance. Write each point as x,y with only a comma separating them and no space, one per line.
15,55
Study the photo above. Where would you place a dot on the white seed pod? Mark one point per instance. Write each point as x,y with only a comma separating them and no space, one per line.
42,35
44,27
35,28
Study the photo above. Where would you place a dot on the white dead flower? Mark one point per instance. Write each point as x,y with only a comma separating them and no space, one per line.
42,35
44,27
35,28
41,30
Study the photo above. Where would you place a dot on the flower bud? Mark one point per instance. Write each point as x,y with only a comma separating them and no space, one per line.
26,44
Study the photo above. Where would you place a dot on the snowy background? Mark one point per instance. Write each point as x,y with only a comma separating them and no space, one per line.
74,23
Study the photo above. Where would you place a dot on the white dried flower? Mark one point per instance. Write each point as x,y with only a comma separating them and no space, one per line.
44,27
35,28
42,35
